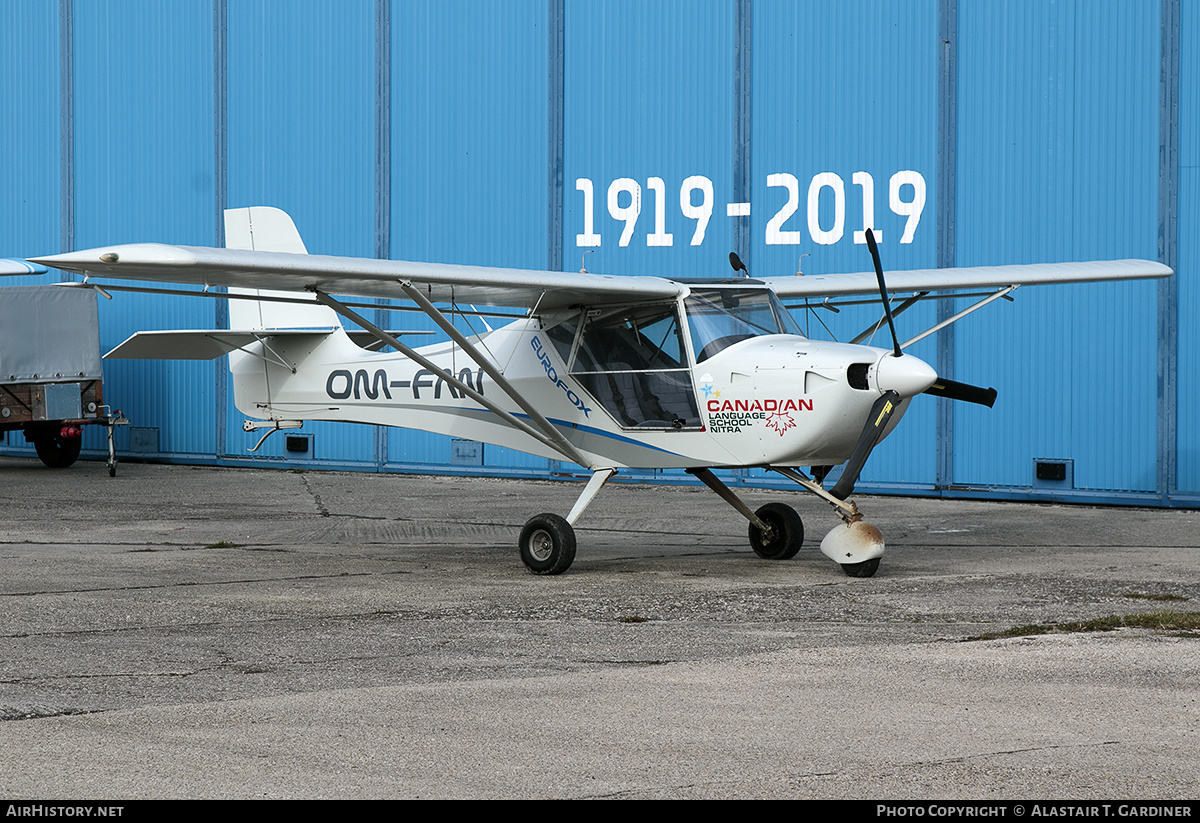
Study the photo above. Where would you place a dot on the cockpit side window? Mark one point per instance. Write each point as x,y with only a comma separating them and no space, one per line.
633,360
634,338
563,336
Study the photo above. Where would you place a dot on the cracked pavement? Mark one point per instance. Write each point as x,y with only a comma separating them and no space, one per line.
197,632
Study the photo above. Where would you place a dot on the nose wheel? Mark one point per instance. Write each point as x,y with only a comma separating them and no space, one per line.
865,569
856,546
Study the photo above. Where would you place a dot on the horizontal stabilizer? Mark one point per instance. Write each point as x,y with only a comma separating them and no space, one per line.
209,344
198,345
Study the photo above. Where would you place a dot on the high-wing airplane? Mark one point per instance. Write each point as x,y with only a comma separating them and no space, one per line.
607,372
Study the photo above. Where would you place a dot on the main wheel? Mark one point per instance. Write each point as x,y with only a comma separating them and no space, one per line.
547,544
865,569
57,451
786,535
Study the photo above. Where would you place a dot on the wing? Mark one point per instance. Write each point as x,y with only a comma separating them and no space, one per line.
15,267
834,285
364,277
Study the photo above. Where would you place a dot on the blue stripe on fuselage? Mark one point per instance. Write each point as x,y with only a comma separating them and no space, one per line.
564,424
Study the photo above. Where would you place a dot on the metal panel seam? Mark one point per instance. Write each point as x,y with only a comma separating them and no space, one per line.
221,198
947,180
742,90
66,75
383,129
555,107
1168,289
383,172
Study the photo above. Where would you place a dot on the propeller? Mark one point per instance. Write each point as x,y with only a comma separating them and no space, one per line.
887,306
962,391
881,412
897,378
942,388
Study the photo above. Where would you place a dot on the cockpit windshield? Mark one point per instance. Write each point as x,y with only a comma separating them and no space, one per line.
633,359
718,318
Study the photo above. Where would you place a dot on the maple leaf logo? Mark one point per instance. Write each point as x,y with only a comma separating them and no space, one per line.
780,422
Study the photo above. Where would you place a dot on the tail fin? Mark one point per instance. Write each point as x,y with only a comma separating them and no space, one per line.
262,228
255,380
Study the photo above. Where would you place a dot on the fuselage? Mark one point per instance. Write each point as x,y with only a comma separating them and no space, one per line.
717,378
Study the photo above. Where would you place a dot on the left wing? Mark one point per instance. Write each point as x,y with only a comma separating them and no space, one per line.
364,277
835,285
15,267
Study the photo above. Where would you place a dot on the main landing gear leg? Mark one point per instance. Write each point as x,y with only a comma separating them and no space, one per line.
776,531
548,541
855,545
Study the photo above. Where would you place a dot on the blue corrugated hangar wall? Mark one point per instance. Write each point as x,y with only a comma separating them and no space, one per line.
523,134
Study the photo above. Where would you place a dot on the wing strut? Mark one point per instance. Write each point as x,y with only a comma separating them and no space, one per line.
996,295
549,436
870,330
562,444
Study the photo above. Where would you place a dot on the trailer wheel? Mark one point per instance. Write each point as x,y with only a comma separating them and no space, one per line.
57,451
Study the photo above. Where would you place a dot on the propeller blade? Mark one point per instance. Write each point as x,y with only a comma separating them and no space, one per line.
881,412
963,391
887,305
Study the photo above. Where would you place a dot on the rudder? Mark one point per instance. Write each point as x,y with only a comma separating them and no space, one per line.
264,228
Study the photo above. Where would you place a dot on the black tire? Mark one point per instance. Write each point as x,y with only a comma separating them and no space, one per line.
865,569
547,544
787,533
57,451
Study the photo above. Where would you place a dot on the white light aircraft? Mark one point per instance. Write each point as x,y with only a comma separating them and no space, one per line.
607,372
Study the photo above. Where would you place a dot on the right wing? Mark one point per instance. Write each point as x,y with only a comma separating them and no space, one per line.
980,277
